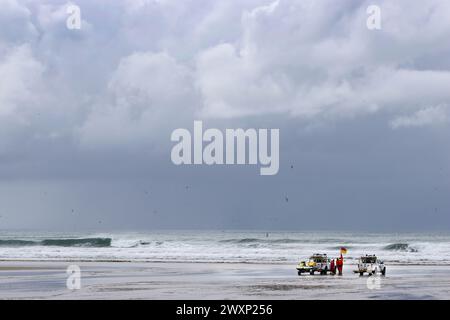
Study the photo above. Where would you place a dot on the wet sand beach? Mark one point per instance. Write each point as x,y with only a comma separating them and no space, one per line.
152,280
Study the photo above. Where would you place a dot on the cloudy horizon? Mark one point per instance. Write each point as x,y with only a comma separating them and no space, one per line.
86,115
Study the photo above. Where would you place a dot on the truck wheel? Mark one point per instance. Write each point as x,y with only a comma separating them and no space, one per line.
311,272
383,272
361,274
299,273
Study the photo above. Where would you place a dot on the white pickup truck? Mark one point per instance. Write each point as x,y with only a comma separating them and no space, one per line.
370,264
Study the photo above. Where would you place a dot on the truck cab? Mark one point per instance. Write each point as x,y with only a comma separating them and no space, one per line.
316,263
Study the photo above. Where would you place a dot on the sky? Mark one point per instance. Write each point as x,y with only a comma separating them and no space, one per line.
86,115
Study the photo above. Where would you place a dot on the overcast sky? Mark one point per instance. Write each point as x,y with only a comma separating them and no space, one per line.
86,115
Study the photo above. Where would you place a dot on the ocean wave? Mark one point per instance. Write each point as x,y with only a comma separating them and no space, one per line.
255,240
339,247
82,242
405,247
140,243
246,247
244,240
17,243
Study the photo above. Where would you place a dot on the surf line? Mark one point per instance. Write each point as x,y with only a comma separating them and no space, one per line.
236,152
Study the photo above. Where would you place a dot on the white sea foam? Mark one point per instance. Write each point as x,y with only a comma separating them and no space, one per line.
252,247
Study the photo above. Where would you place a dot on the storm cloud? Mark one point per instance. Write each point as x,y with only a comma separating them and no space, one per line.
86,115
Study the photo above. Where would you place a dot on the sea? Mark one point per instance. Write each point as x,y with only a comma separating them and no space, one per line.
223,246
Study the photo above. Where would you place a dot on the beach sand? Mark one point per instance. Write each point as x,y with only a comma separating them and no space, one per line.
131,280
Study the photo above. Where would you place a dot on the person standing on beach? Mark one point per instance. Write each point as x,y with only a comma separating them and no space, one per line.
332,267
340,261
340,264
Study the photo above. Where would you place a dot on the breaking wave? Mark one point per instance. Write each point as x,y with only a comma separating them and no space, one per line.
405,247
17,243
83,242
220,246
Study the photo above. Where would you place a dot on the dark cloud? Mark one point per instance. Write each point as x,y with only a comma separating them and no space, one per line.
86,115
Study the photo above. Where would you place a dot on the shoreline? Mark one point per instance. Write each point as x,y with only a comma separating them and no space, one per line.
416,264
205,281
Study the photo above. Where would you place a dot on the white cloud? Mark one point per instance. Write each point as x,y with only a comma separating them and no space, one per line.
146,90
15,23
150,80
140,65
424,117
233,85
316,59
21,76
